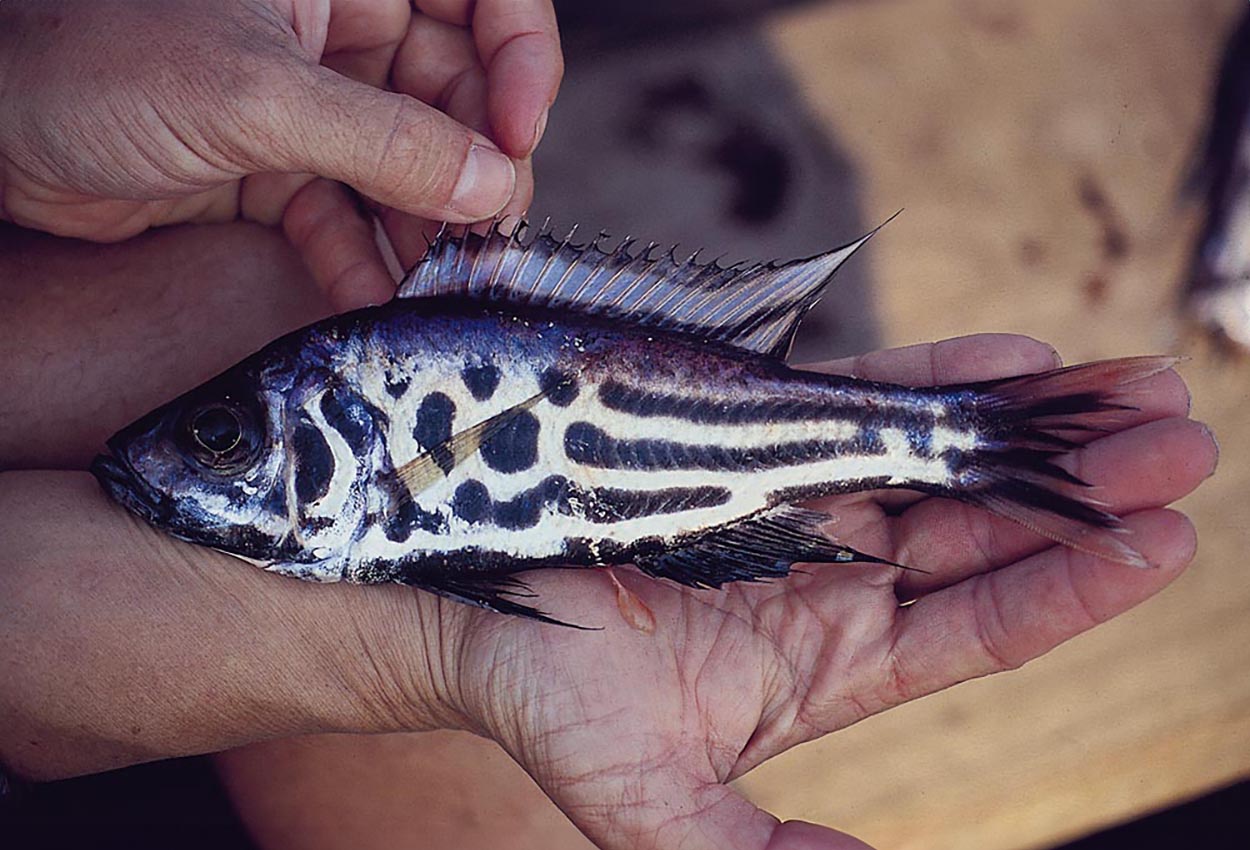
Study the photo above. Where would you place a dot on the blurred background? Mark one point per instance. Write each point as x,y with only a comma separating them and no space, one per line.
1044,155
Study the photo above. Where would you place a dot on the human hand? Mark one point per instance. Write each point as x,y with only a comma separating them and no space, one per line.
119,115
632,735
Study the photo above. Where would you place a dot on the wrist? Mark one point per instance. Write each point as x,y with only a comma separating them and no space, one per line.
120,645
397,672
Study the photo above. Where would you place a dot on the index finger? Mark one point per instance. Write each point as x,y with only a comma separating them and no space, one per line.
519,46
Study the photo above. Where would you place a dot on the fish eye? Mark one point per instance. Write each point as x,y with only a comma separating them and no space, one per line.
217,429
222,436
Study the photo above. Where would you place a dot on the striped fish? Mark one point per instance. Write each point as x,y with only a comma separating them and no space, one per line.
530,402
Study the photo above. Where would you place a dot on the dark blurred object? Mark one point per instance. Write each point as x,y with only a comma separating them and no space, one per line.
676,122
1214,822
612,23
1217,291
169,804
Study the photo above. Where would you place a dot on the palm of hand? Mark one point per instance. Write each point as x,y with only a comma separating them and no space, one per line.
634,734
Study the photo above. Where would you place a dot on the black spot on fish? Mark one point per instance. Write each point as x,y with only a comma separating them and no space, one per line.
525,509
920,440
433,428
314,462
396,387
351,416
482,381
560,387
403,514
514,447
472,501
313,524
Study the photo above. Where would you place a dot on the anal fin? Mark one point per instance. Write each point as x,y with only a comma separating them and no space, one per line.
761,547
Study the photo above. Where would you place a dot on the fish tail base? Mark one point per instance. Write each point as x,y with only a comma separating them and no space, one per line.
1030,422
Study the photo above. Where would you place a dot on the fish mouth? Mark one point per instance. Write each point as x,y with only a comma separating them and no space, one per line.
126,487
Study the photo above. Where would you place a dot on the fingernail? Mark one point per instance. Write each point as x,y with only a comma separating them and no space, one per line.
540,127
1214,444
486,183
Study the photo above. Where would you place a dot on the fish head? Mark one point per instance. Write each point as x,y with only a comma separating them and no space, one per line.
208,466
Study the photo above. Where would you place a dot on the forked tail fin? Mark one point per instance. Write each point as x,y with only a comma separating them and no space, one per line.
1028,422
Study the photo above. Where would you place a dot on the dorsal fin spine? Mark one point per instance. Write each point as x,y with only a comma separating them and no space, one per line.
517,272
596,270
500,262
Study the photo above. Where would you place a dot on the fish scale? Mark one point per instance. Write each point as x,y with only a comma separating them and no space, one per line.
531,402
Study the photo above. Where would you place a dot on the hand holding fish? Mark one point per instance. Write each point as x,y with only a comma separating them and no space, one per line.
135,115
163,648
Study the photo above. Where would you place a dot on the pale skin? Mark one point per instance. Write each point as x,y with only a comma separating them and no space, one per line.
120,645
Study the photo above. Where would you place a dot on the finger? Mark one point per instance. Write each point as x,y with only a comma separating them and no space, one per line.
519,46
984,357
664,810
433,60
1145,467
437,64
523,195
391,147
325,224
1000,620
363,36
980,357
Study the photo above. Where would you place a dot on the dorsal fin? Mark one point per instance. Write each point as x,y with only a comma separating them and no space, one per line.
755,306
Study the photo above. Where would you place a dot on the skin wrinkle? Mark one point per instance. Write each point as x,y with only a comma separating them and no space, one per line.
989,625
1091,617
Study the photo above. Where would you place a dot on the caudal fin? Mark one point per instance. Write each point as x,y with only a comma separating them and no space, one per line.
1030,421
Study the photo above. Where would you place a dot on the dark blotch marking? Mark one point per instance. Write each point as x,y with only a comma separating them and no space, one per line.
525,509
396,387
559,386
351,416
433,428
313,524
514,447
403,513
919,440
482,381
471,501
314,462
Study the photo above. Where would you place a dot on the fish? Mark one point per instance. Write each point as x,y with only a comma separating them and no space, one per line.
527,401
1216,287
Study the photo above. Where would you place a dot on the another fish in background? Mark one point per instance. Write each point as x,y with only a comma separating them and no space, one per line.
1217,288
530,402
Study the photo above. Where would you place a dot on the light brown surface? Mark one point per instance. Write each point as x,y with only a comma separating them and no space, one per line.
989,121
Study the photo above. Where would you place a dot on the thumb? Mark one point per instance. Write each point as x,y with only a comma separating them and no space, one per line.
388,146
663,814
